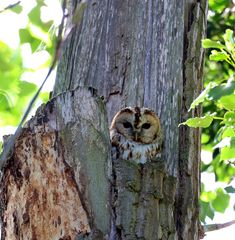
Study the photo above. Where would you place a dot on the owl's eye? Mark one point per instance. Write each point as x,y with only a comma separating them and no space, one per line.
127,125
146,125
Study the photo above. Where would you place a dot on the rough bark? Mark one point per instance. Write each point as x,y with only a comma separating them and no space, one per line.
135,53
147,53
55,184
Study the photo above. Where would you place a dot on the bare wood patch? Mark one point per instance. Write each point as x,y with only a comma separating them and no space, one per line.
50,183
40,193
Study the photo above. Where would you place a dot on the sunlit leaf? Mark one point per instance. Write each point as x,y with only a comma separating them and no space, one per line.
26,88
25,36
17,9
229,118
208,196
227,153
202,122
218,56
228,102
202,96
223,171
205,138
218,6
228,38
44,96
5,103
207,43
15,94
34,36
221,202
228,132
222,90
38,33
35,15
206,211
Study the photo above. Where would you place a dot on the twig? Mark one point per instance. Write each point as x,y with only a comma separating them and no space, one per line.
213,227
10,144
10,6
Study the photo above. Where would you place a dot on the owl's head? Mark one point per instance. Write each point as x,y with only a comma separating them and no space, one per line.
137,124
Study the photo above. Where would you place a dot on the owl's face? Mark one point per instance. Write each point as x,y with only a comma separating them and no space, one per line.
137,124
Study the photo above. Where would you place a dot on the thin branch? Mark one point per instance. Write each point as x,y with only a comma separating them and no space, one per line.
10,6
213,227
10,144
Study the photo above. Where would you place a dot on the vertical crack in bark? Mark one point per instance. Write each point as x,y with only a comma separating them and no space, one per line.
187,205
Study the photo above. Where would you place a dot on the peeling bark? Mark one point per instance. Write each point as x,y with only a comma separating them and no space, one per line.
60,182
50,188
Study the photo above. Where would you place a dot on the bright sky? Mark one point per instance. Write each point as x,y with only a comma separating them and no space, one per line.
9,34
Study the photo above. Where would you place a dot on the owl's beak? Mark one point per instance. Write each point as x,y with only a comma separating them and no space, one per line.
136,134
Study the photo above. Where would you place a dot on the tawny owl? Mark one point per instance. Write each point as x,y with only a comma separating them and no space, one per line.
135,135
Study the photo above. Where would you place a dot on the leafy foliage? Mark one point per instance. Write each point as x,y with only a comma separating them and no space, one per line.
218,101
36,42
199,121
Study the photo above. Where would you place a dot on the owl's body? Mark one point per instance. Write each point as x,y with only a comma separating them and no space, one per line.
135,135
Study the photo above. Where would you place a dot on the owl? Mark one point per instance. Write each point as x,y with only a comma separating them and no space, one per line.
135,135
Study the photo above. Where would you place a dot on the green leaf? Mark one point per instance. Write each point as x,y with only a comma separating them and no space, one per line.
5,103
34,36
205,138
218,5
35,15
208,196
37,32
205,211
227,153
228,38
25,36
26,88
230,189
32,33
221,202
229,119
228,132
207,43
228,102
222,90
203,122
218,56
44,96
202,96
17,9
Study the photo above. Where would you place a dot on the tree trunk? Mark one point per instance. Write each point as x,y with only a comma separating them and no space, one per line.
60,182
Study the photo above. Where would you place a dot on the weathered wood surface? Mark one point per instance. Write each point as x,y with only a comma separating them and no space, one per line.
55,185
146,53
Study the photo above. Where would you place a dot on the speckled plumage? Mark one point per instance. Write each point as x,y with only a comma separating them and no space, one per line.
135,135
